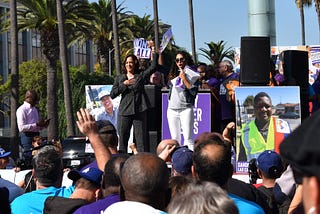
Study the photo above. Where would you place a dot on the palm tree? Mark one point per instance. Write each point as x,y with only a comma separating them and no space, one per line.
317,5
115,35
217,52
193,39
102,29
301,4
142,27
41,16
65,70
14,79
156,24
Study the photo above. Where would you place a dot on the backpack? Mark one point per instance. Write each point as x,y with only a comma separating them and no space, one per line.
275,207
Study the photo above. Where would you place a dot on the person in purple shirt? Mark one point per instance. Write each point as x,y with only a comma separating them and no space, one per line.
110,186
229,80
29,123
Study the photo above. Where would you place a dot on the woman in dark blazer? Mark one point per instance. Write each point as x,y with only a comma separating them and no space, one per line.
134,104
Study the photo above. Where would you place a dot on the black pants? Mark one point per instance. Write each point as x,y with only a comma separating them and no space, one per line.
139,122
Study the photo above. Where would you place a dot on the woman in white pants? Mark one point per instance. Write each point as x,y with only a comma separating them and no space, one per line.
182,94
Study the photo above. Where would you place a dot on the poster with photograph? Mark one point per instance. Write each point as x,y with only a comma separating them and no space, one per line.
95,95
93,103
264,117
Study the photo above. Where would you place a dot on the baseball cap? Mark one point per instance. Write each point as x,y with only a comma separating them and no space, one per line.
3,153
182,160
103,93
91,173
268,159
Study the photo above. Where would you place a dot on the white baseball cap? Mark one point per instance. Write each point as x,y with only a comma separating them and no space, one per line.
103,93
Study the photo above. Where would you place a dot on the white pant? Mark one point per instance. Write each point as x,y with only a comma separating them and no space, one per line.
181,119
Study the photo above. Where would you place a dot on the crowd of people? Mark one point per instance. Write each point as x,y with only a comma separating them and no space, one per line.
194,176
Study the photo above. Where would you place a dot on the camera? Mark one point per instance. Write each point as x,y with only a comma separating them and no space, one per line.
253,173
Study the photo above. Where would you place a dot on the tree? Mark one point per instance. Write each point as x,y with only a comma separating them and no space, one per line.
156,24
317,5
217,52
14,79
40,15
115,36
102,29
301,4
193,38
65,70
33,74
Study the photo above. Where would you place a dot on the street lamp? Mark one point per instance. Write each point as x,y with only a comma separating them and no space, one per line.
110,52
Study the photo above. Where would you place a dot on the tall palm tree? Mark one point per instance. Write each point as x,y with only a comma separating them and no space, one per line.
41,16
193,38
14,79
156,24
142,27
317,5
115,36
301,4
102,29
65,70
217,52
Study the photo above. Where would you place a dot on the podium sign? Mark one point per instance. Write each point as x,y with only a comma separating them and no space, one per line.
202,115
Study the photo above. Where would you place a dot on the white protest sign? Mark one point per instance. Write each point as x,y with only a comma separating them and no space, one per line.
141,49
165,39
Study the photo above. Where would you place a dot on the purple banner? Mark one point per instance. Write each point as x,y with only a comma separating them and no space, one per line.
202,115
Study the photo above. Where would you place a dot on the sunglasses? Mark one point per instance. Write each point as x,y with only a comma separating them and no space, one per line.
180,60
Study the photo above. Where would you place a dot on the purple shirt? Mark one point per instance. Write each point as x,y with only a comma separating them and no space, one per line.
98,206
27,118
226,106
213,82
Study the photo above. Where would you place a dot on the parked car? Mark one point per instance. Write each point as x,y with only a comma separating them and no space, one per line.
289,115
77,152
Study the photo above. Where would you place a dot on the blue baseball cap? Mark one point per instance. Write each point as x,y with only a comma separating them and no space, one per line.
268,159
182,160
90,173
3,153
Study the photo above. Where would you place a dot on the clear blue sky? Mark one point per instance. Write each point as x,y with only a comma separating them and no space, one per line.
226,20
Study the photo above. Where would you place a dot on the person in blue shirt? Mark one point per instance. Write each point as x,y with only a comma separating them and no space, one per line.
48,171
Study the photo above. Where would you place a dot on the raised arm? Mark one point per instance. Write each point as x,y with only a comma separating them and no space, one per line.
88,127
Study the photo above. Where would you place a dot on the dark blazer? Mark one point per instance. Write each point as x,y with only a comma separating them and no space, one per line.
133,97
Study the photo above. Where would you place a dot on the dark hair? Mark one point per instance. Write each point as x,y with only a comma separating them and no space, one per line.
174,71
136,64
212,167
47,165
108,133
259,95
31,95
29,182
111,176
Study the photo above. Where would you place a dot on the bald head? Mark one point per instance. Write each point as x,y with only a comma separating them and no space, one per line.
212,159
31,97
144,178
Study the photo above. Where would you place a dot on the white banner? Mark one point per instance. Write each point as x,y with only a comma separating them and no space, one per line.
141,49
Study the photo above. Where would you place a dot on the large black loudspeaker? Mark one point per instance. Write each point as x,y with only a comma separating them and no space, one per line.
154,114
296,70
255,62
